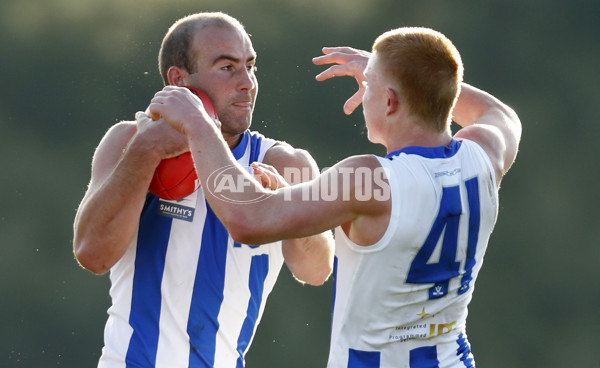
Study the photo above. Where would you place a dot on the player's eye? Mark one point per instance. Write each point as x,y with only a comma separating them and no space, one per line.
252,68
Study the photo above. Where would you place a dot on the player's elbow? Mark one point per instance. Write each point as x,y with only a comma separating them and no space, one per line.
88,259
252,225
515,123
508,119
317,278
319,273
243,230
310,259
249,236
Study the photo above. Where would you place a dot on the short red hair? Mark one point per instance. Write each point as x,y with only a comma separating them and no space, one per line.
427,68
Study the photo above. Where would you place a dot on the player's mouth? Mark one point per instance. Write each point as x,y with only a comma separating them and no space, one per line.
244,104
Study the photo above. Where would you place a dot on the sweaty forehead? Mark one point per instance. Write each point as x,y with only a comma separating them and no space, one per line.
213,42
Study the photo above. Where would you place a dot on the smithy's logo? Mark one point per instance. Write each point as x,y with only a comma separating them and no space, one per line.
229,185
174,210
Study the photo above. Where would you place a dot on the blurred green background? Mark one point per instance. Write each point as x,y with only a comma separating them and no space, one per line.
72,68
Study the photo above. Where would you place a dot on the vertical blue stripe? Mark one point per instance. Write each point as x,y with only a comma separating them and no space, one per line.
363,359
259,268
464,352
424,357
153,238
472,186
207,294
239,150
255,143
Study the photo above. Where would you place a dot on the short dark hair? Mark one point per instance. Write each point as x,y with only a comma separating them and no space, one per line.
175,49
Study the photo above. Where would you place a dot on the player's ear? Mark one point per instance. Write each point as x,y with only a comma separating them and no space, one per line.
176,76
393,101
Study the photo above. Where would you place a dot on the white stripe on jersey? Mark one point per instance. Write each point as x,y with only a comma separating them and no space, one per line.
177,285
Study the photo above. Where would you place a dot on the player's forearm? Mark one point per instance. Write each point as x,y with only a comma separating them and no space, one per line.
108,216
473,104
211,155
310,259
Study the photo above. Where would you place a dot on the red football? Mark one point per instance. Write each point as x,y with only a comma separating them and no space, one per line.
175,177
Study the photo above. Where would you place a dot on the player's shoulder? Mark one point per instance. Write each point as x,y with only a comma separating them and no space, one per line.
490,140
111,148
116,138
120,132
283,152
361,161
122,129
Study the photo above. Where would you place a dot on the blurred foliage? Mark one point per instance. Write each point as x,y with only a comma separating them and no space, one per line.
72,68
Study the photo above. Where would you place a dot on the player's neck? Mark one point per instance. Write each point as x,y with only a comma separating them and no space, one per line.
233,140
410,135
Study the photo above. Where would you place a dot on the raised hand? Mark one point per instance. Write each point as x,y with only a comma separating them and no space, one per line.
349,62
180,108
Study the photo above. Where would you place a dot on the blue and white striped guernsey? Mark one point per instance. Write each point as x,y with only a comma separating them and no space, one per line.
185,294
402,302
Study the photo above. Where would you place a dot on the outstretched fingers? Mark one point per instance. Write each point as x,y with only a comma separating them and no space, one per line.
353,102
348,62
339,55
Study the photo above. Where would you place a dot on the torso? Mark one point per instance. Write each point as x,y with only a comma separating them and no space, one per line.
406,295
185,294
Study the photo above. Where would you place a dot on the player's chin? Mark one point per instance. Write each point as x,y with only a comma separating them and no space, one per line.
238,112
236,125
241,114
